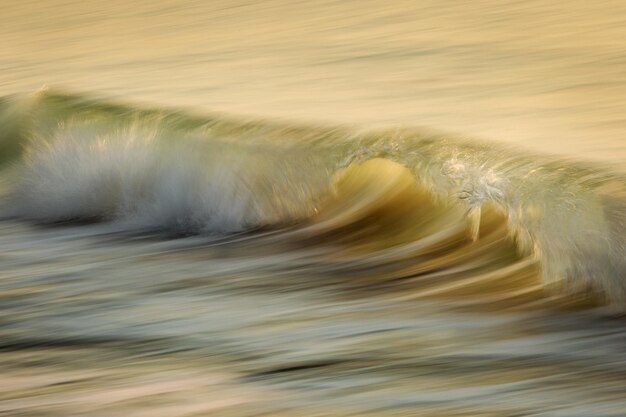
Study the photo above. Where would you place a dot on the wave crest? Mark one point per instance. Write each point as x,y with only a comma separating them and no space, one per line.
404,203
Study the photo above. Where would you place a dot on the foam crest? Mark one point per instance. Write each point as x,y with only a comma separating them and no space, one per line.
145,180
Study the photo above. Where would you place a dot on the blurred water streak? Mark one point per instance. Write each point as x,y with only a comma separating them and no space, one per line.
551,76
203,276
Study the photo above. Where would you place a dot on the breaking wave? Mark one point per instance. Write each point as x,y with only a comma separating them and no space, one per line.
441,216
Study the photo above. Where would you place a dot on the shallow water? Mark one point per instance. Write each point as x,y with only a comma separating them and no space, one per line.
103,324
256,226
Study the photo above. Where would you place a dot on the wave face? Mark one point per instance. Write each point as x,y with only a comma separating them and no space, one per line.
443,216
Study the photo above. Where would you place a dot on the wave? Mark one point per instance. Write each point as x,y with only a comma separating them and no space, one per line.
443,216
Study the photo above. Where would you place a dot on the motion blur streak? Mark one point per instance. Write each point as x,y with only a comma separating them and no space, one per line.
169,261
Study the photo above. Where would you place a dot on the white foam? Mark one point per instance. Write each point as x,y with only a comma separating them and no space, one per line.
145,180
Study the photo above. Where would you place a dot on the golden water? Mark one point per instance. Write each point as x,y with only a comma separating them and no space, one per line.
285,266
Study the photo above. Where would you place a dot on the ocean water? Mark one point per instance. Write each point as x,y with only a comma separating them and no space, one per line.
333,208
